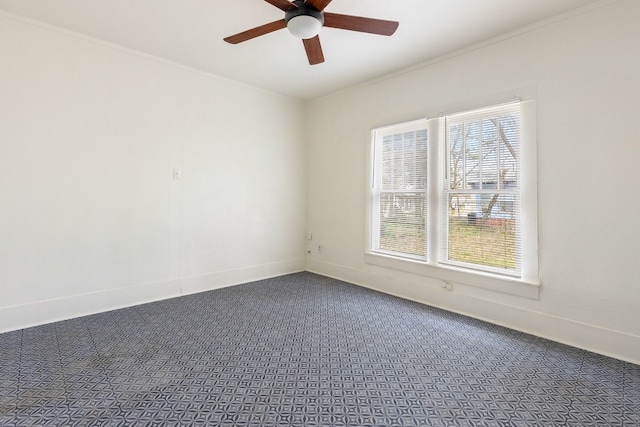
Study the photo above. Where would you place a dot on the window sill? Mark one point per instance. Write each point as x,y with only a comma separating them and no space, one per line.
488,281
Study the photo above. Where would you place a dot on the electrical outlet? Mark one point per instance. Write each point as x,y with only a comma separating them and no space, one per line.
320,249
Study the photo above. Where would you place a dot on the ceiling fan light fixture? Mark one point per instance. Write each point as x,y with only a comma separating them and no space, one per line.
304,21
304,26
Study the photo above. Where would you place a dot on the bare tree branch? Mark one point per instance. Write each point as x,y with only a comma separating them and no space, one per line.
503,136
494,199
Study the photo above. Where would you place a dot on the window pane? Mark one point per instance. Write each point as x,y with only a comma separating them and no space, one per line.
387,162
456,157
404,161
483,230
409,161
490,155
402,222
472,155
398,164
509,149
420,179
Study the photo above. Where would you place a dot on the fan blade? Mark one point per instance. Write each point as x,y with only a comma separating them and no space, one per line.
256,32
358,23
281,4
314,50
318,4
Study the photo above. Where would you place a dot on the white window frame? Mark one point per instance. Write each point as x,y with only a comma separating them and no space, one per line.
528,283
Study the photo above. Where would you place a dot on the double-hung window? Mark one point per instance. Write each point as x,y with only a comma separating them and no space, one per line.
481,209
400,190
454,192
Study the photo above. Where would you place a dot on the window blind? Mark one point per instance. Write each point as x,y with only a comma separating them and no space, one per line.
481,217
399,184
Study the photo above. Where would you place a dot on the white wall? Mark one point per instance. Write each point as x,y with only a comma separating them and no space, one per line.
90,217
584,72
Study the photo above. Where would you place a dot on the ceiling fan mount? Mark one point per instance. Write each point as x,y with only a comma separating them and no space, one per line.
305,18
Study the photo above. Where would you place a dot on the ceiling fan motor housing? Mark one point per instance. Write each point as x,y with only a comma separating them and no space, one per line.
303,9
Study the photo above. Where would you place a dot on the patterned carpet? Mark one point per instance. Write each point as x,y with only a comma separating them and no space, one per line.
303,350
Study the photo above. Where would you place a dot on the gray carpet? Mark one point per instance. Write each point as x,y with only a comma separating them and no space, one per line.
303,350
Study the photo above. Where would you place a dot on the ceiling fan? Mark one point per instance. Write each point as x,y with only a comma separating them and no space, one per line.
305,18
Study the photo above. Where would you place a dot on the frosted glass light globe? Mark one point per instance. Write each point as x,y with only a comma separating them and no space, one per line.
304,26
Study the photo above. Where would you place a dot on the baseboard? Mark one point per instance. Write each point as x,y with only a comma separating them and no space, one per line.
53,310
594,338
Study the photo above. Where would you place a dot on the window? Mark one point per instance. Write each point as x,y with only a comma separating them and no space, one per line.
400,189
453,192
481,191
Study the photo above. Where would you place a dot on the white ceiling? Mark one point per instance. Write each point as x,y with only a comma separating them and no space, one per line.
190,32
